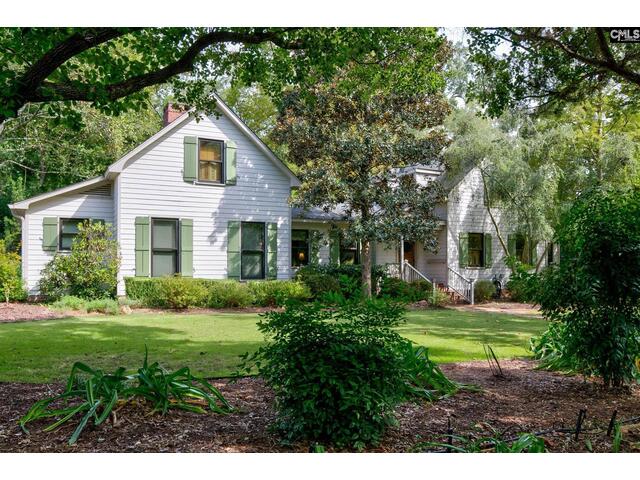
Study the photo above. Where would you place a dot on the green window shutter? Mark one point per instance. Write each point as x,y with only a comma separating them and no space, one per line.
190,171
334,248
487,250
142,246
463,249
272,250
230,163
186,247
233,250
511,244
314,247
50,234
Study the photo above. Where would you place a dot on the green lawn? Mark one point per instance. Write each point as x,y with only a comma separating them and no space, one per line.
210,344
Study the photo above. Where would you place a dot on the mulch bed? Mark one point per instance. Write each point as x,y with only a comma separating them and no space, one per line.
526,400
27,312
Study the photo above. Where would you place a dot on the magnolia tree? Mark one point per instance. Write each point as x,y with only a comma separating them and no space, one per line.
350,149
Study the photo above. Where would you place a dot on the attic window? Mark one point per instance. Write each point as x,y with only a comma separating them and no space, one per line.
210,161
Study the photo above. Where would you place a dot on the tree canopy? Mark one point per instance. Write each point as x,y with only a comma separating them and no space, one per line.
112,68
550,66
351,149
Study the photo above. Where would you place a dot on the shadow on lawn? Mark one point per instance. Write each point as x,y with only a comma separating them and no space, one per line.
46,353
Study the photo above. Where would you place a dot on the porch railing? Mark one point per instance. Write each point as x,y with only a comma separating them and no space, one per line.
412,274
461,285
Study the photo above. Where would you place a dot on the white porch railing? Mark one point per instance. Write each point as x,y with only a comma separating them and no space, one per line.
461,285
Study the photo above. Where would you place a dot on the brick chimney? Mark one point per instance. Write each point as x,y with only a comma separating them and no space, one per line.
171,112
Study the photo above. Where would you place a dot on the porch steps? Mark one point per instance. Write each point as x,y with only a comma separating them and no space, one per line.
454,296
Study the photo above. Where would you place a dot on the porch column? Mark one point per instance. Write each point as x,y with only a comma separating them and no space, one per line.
402,258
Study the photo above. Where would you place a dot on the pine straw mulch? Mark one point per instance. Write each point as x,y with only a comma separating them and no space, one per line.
526,400
27,312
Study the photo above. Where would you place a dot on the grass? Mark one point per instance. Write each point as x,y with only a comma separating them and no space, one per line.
45,351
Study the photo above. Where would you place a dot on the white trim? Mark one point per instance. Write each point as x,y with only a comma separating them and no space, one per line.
23,205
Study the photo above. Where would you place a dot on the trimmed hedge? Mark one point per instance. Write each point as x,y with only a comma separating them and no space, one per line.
183,292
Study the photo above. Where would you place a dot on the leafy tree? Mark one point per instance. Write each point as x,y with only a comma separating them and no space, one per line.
112,67
11,284
506,153
350,149
545,67
90,270
39,154
595,290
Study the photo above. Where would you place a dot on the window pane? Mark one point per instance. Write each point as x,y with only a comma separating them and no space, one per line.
210,150
210,171
252,236
66,241
164,234
71,225
348,257
301,235
163,263
252,265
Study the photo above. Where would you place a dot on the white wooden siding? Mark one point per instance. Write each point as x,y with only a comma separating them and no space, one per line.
466,212
66,206
152,185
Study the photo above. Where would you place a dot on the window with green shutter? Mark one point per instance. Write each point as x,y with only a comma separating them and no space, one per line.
142,246
69,228
272,250
463,249
233,250
186,247
334,247
252,250
230,163
164,247
488,248
50,234
300,248
190,167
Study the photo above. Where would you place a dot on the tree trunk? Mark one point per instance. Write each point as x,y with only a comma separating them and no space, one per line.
366,268
487,201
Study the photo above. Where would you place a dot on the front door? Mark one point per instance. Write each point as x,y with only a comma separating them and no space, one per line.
409,253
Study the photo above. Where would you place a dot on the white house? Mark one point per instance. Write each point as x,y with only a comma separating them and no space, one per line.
209,199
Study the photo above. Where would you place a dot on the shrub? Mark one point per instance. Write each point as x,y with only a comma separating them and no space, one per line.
406,291
10,277
338,373
69,302
89,270
337,278
318,283
195,292
595,289
275,293
178,292
108,306
92,395
523,285
483,290
228,294
550,349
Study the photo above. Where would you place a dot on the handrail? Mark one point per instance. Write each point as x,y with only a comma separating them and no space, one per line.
461,285
412,274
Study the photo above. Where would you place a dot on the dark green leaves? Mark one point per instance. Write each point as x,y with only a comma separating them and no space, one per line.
94,394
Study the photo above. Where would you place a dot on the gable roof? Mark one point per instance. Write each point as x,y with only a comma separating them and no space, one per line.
118,166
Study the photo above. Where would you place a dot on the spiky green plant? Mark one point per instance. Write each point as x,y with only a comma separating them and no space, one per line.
94,394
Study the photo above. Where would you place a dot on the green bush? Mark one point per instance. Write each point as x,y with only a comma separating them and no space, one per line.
318,283
184,292
11,284
107,306
594,291
523,285
276,293
483,290
344,279
228,294
550,348
338,373
69,302
89,270
404,291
